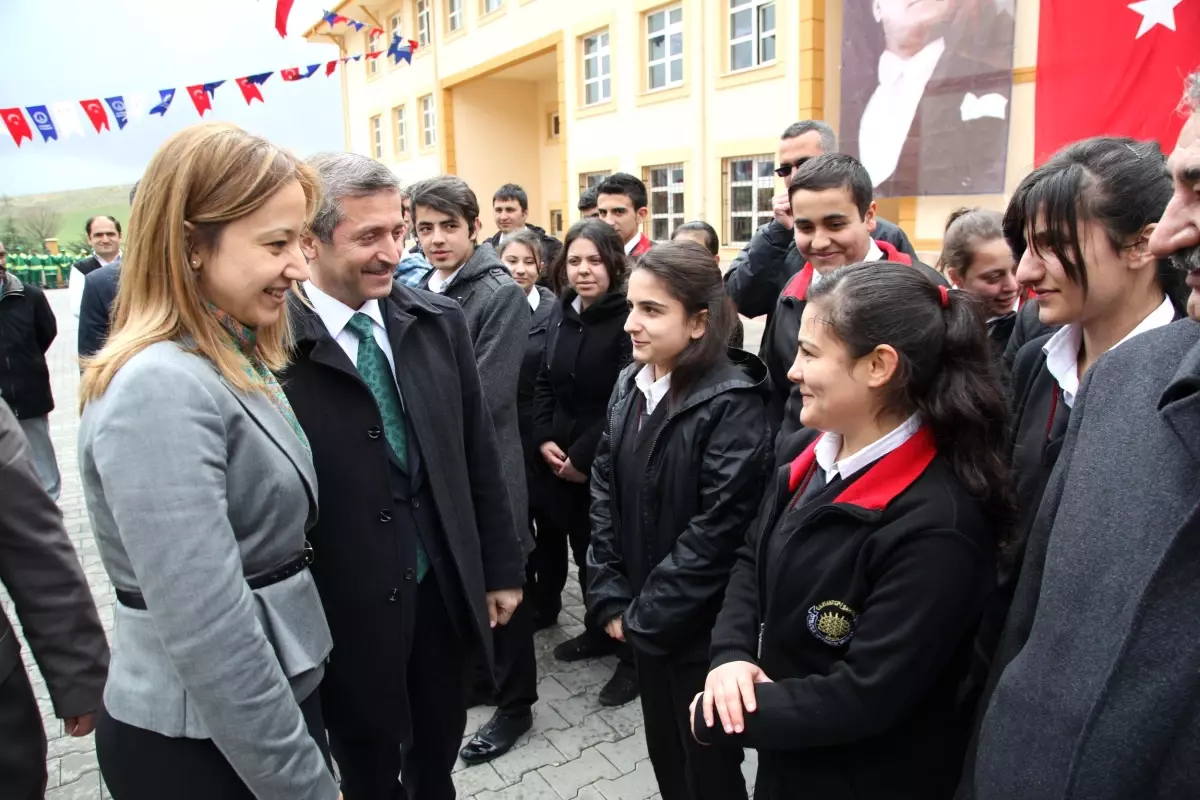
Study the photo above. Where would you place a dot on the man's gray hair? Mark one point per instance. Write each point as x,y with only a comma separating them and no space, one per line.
346,175
828,137
1191,93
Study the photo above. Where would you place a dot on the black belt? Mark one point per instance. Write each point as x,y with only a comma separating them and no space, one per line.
294,567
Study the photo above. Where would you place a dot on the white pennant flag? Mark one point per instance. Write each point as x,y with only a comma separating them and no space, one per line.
135,106
66,118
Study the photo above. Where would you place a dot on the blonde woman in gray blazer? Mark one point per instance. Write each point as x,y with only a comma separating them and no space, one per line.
200,486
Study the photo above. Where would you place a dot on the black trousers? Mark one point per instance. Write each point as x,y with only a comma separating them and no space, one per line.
516,663
372,766
138,764
685,769
22,740
547,563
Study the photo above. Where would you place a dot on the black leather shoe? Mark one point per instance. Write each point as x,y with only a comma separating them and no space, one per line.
622,687
585,645
541,620
496,737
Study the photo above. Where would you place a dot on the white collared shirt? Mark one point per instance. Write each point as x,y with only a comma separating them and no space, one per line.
1062,351
830,443
652,390
632,243
438,284
336,316
533,297
874,254
890,111
577,304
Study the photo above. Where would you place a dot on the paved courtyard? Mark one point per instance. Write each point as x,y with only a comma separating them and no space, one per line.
576,749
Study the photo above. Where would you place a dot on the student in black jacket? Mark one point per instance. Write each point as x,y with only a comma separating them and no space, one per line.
676,482
1081,223
586,349
833,216
847,625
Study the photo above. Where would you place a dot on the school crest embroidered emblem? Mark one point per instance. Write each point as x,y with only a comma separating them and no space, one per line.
833,622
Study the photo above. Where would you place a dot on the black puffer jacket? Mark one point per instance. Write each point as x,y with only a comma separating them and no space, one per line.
705,473
27,328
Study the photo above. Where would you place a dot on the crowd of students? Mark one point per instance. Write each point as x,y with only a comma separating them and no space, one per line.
937,539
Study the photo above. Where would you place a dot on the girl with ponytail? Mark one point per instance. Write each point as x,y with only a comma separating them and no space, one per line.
847,626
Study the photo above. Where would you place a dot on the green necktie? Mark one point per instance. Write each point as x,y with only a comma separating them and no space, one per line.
377,374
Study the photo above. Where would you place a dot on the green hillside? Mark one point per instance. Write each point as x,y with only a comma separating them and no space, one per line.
75,207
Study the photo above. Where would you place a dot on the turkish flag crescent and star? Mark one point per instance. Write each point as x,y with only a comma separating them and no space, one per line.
1113,68
96,113
18,126
200,98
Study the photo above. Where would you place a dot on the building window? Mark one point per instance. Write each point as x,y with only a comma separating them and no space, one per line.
749,197
429,122
590,180
664,48
423,22
751,33
556,222
377,136
395,25
401,129
665,184
492,5
553,125
374,45
454,15
597,69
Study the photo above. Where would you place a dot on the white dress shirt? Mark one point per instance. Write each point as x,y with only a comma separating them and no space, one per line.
336,316
437,283
874,254
533,297
632,243
889,114
577,304
652,390
830,443
1062,351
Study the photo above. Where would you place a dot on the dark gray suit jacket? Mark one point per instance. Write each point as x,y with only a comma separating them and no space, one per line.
39,569
95,309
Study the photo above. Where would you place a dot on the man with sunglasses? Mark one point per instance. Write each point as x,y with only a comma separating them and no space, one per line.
757,276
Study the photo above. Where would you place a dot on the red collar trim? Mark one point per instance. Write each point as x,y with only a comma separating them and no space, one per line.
883,481
641,247
797,287
1024,297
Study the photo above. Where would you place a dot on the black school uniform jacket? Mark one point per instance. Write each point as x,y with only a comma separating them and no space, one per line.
700,485
779,343
860,605
537,474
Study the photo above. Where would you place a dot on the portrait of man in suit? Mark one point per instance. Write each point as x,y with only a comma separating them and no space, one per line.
926,86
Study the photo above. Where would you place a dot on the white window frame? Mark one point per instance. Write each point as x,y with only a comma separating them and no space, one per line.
760,164
400,129
374,44
376,131
424,22
395,25
670,189
454,15
602,54
428,121
490,6
757,37
665,33
590,180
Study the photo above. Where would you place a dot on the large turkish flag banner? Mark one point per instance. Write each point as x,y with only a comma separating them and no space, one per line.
1113,68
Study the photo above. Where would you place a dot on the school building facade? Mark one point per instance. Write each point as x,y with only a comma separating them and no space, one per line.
690,95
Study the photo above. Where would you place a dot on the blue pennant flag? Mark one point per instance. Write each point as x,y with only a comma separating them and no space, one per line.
310,70
358,26
357,57
117,104
329,17
399,49
211,88
259,79
165,96
45,125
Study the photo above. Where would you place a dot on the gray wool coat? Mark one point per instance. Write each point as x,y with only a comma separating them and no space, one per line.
1099,693
498,319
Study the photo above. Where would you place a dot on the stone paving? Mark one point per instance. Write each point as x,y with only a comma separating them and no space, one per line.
576,749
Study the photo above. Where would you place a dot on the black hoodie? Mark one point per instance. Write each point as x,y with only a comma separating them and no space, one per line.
703,476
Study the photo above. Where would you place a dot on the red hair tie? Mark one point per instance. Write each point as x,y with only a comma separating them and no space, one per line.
945,294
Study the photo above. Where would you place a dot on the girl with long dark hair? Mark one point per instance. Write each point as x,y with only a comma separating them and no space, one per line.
848,621
586,348
676,482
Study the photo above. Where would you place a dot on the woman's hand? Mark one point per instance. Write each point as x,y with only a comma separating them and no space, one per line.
553,455
568,473
730,688
615,628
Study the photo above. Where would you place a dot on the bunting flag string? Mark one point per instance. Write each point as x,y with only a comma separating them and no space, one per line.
61,120
332,19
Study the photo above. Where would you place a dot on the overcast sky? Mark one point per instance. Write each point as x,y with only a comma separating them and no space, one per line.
82,49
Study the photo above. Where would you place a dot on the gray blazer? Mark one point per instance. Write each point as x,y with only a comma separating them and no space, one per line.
191,486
